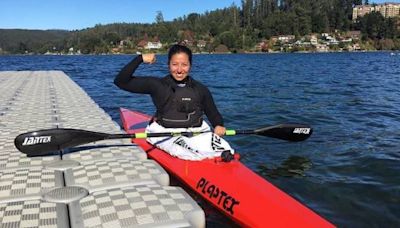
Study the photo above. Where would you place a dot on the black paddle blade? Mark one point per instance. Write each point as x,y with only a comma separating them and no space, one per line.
45,142
289,132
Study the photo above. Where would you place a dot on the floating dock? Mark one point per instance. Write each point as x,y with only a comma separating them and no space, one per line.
104,184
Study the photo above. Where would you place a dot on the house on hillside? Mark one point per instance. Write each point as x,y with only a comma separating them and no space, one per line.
153,45
141,44
388,9
262,46
186,37
354,35
145,44
329,40
188,43
354,47
273,39
286,38
314,39
201,44
321,48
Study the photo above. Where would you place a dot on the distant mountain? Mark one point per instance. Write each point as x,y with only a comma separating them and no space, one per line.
22,40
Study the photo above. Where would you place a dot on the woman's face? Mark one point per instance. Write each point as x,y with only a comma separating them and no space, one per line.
179,66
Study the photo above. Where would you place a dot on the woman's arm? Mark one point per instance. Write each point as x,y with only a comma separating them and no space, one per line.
127,81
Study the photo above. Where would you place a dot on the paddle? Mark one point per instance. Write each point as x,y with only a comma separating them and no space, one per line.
47,142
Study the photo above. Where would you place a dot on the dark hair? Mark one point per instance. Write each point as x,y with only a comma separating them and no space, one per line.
177,48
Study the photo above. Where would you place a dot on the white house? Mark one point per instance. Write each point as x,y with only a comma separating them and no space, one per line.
153,45
286,39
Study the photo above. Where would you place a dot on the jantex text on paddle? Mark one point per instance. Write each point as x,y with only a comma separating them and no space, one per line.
28,141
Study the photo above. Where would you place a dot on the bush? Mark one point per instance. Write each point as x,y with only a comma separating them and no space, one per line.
385,44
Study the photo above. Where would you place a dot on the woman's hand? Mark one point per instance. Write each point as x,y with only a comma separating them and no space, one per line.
149,58
219,130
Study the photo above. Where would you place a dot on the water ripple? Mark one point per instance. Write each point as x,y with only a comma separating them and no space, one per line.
349,165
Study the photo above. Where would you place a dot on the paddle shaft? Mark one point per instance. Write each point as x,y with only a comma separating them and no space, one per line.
143,135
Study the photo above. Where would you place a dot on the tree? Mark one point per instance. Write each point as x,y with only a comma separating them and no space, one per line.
89,42
372,25
303,22
192,21
111,38
22,48
247,12
235,27
385,44
390,28
159,17
228,39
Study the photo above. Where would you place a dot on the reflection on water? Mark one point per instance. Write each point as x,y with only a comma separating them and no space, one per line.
293,166
347,171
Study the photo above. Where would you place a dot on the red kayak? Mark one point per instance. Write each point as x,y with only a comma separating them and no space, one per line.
234,189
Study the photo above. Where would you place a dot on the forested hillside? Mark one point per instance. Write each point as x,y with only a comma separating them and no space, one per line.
236,27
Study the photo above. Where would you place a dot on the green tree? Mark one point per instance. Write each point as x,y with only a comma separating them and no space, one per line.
89,42
159,17
228,39
111,38
385,44
372,25
303,22
22,48
391,28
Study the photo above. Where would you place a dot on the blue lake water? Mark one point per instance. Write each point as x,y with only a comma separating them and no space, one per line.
348,171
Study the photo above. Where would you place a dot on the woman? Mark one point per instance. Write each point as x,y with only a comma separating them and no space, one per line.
180,103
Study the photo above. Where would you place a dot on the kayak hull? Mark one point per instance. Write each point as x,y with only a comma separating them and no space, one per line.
234,189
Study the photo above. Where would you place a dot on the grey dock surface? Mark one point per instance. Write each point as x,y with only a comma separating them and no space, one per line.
104,184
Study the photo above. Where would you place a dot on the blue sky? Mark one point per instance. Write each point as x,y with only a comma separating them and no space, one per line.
79,14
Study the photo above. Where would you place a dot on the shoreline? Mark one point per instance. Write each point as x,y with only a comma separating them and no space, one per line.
205,53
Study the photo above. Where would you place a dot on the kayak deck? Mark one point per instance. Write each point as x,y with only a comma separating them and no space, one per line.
231,187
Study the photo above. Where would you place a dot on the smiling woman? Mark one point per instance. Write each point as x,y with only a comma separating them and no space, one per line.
179,66
180,103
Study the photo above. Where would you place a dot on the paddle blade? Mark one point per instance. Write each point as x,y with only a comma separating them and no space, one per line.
289,132
45,142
